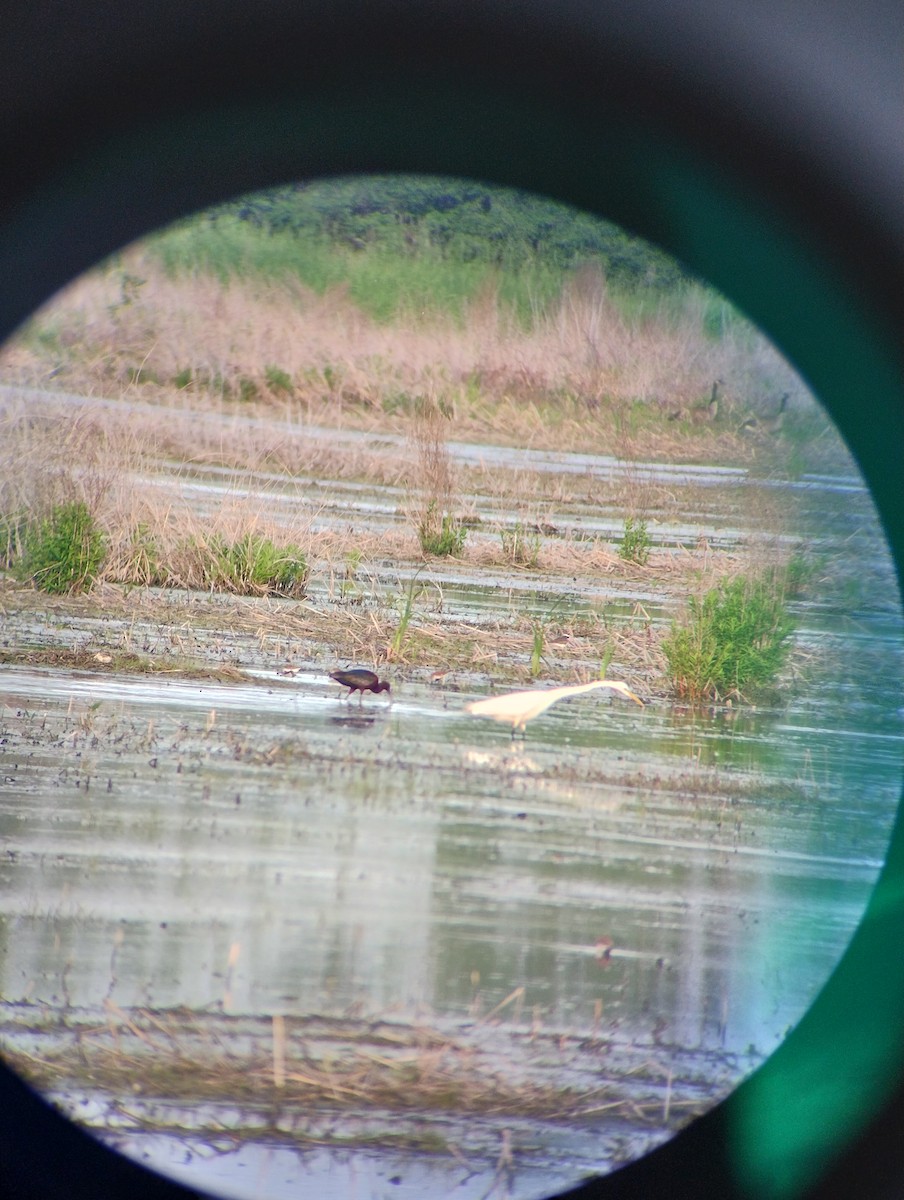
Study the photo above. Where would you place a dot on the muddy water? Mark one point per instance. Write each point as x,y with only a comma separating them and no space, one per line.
390,852
649,899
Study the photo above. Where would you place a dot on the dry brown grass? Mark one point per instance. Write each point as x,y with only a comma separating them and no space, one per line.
583,378
47,462
135,470
433,481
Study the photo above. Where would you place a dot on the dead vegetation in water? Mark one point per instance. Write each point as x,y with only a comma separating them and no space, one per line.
197,636
296,1067
163,536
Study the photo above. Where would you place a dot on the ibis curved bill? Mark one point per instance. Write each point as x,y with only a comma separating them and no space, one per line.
517,708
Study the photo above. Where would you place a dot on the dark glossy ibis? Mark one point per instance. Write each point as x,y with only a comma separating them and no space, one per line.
360,680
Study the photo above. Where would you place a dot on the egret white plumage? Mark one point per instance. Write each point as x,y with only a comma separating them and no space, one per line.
517,708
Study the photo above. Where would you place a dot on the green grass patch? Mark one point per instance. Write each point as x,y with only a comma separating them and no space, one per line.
408,247
388,281
732,641
63,553
538,642
443,537
255,566
231,249
278,380
248,389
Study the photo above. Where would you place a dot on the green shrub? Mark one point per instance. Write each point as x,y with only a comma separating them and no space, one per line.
635,544
63,552
450,540
734,638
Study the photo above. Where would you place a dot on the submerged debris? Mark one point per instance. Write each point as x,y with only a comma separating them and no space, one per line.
269,1068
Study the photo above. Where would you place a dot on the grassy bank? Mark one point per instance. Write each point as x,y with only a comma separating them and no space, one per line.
385,285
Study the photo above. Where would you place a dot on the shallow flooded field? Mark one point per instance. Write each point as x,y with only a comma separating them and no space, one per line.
264,849
272,940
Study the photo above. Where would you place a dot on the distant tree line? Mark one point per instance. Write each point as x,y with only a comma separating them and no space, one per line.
457,220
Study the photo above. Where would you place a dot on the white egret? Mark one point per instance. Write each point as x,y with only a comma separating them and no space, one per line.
517,708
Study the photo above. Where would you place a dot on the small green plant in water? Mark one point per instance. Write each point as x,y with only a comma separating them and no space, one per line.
520,545
733,638
536,654
635,544
398,638
64,552
606,659
441,538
